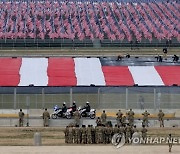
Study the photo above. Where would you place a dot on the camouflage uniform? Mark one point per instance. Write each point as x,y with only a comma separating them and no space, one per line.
144,133
77,135
130,117
170,142
66,133
103,118
89,134
123,121
46,118
70,135
108,133
93,134
161,118
98,121
135,129
145,118
99,134
115,130
119,117
122,130
21,118
77,117
84,134
128,133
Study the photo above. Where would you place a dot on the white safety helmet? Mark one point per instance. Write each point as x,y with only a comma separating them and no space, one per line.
64,103
87,102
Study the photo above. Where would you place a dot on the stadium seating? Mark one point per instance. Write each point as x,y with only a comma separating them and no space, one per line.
113,20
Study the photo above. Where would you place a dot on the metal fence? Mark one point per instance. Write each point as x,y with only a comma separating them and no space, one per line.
96,43
99,97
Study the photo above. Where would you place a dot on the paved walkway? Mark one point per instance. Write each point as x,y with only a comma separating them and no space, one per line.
87,150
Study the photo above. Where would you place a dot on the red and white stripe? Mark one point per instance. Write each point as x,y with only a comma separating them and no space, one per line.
82,72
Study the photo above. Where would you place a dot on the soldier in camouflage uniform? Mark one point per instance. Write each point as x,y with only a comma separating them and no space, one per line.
123,121
135,129
98,134
128,133
145,118
122,130
161,118
115,130
170,142
108,133
21,118
84,134
103,118
89,134
66,133
119,115
77,134
130,115
77,117
46,117
144,133
103,131
98,121
70,135
93,133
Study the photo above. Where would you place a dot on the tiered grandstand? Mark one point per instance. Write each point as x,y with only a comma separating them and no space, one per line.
124,21
115,20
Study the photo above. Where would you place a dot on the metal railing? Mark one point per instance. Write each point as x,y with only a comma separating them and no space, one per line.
100,97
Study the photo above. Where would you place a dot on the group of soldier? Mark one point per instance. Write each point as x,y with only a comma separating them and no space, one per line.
121,119
45,115
104,131
100,134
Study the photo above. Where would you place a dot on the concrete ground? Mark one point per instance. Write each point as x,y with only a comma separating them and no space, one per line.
87,149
